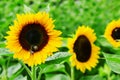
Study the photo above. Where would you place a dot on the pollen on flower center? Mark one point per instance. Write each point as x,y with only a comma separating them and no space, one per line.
116,33
82,48
33,37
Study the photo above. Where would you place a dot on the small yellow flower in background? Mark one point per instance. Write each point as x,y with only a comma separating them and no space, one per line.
84,53
112,33
32,38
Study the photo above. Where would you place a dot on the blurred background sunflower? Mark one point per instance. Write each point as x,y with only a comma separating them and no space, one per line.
84,53
112,33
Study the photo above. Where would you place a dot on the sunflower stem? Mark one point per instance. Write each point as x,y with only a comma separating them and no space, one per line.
4,73
27,69
72,73
33,73
40,73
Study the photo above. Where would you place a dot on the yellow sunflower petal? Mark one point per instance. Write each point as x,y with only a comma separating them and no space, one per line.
112,33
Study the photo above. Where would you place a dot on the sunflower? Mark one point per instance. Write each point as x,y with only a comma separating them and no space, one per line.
112,33
84,53
32,38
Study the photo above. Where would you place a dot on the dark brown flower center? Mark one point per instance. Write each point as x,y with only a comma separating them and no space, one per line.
116,34
82,48
33,37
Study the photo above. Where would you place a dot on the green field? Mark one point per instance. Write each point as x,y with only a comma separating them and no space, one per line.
68,15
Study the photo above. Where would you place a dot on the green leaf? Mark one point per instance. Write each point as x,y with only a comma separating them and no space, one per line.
1,69
2,60
106,46
2,44
104,71
20,77
113,61
28,9
58,57
13,69
54,63
17,74
103,42
48,8
94,77
116,77
5,52
57,77
54,68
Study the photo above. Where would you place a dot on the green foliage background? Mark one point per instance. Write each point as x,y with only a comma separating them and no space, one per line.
68,15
